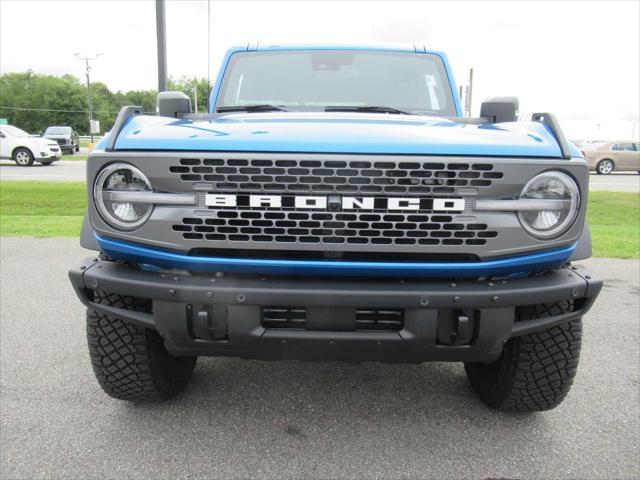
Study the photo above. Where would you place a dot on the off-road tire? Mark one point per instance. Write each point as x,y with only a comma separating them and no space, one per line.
131,362
534,372
23,157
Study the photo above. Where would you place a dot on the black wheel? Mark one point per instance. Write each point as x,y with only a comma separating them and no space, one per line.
534,372
23,157
605,167
77,149
131,362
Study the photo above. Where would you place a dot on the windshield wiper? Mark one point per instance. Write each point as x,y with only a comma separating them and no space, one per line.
251,108
365,108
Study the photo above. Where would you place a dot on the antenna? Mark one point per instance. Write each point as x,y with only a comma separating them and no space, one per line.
208,53
161,31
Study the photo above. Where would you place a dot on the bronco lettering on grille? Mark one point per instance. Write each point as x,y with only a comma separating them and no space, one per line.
335,202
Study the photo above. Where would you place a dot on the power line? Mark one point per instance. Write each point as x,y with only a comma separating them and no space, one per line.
54,110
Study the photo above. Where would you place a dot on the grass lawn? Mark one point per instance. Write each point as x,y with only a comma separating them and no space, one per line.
42,209
55,209
614,221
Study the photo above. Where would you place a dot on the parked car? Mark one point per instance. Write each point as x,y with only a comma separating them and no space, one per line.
335,205
24,149
623,156
67,138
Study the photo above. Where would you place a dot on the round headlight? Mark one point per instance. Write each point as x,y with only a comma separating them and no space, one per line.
549,223
121,177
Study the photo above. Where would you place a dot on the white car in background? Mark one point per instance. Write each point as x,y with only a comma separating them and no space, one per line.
24,149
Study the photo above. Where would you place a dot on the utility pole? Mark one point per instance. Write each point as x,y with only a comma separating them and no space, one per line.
161,33
468,94
195,92
86,59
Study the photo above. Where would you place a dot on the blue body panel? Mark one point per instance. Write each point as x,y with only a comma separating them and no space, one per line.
338,132
118,249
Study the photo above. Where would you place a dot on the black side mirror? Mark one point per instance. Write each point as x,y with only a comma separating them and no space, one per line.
500,109
172,104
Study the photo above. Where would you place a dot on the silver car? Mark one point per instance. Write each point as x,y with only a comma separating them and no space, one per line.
622,156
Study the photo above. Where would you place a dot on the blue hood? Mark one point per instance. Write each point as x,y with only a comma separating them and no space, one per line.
338,133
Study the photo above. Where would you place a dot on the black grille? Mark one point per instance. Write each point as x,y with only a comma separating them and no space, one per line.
295,318
329,228
356,176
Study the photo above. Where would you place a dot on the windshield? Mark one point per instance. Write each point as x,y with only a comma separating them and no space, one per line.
58,131
315,80
13,131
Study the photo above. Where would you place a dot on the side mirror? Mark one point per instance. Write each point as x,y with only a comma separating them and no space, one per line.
172,104
500,109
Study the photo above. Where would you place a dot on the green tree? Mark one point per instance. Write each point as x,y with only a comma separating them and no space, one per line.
188,85
33,102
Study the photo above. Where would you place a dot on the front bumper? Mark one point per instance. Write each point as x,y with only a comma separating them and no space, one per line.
223,315
51,155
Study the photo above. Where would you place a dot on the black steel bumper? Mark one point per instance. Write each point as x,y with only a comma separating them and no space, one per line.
461,321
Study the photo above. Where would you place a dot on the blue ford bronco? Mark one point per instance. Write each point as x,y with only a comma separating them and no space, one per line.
334,204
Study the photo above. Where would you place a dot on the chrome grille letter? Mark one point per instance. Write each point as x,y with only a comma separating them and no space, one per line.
352,203
265,201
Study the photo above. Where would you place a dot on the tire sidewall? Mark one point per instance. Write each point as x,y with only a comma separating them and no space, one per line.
605,162
20,152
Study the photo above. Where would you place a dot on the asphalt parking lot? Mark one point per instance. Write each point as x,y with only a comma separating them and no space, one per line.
63,170
240,419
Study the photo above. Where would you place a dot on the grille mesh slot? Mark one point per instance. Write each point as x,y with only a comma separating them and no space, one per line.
284,317
332,228
339,176
377,319
365,319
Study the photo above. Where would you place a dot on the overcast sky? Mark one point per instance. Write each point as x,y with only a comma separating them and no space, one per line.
578,59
